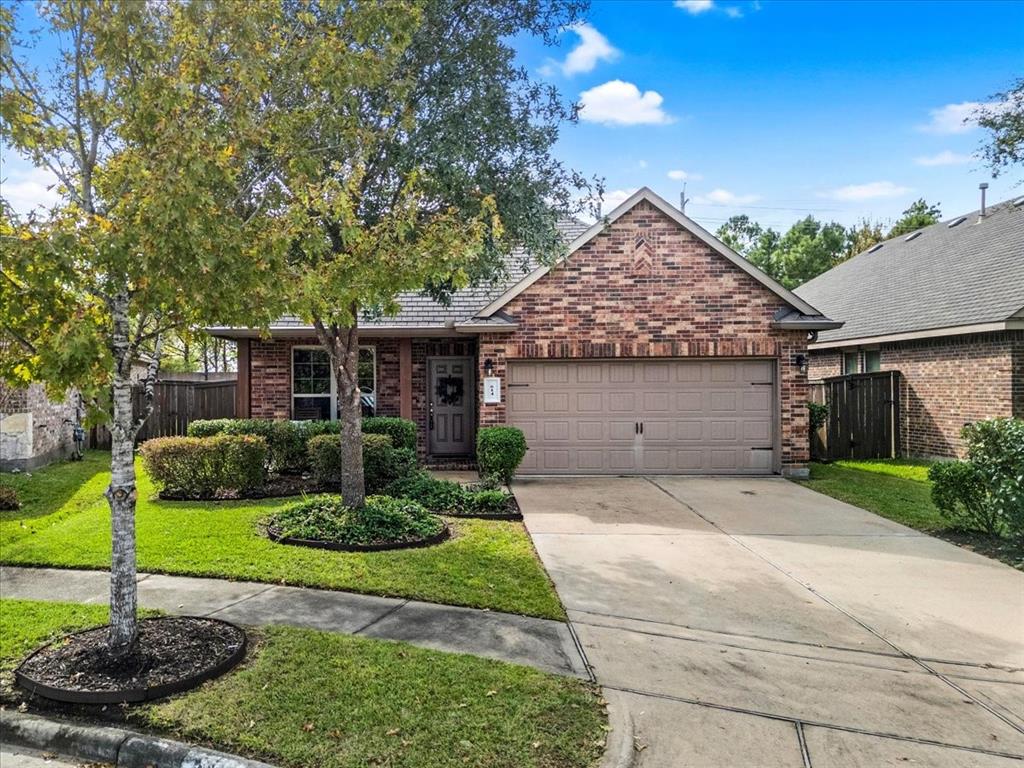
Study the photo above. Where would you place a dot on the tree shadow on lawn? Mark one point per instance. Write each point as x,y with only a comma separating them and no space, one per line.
54,488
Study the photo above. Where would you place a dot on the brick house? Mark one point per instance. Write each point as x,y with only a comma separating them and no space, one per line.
944,306
34,430
651,348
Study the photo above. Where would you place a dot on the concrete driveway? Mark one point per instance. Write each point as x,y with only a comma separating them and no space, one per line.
753,622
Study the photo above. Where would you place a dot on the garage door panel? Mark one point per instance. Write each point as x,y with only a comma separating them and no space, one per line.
699,416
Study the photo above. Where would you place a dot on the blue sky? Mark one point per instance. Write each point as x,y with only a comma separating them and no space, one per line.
775,109
779,109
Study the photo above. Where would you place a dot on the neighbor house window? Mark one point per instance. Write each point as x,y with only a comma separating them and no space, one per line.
312,384
872,360
850,362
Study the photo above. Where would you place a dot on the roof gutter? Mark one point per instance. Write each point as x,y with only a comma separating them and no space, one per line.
367,332
1012,324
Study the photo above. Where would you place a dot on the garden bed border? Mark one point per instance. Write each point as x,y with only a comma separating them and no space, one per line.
275,535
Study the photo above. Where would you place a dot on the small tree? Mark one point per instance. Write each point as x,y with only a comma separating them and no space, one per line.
1004,120
919,214
410,153
144,122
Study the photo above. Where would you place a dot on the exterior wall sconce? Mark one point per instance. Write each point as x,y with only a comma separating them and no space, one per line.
801,362
488,367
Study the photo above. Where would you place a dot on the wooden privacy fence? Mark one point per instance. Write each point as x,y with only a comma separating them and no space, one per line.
863,416
175,405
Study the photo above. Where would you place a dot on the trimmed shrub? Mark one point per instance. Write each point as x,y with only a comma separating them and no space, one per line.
433,493
499,451
205,467
488,502
987,490
9,498
286,440
401,431
382,464
381,520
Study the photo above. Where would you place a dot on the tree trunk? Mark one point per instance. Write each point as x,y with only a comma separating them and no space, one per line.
343,348
122,493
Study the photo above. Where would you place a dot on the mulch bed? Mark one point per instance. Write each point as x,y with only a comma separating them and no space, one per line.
275,534
512,510
171,655
275,487
1005,550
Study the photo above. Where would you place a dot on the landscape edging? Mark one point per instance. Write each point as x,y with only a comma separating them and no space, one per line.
118,746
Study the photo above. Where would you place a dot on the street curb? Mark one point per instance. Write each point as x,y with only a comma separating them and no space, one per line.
620,749
123,748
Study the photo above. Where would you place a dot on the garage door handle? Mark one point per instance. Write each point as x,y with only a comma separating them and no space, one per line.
636,427
641,427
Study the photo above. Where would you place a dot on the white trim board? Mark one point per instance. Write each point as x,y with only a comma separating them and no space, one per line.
646,194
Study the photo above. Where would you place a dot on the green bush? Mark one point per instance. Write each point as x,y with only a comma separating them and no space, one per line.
499,451
817,414
204,467
433,493
382,464
987,490
8,498
401,431
488,502
381,520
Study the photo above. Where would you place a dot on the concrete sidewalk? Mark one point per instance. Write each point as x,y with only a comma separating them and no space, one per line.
542,643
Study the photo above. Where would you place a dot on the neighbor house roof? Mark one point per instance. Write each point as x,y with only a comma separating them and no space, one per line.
963,275
480,308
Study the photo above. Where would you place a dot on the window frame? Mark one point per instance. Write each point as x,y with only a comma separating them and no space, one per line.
867,366
333,395
856,363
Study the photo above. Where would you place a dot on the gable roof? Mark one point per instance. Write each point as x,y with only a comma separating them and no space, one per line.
958,276
648,195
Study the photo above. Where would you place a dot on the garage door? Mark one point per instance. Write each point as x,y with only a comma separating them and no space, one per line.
649,417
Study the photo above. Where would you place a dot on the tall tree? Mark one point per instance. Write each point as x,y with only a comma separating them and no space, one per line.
144,119
410,153
1003,117
862,236
919,214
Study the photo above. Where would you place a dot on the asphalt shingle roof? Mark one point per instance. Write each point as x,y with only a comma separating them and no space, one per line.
946,276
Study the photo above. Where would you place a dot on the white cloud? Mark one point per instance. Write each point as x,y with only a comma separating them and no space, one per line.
620,103
724,197
954,118
869,191
684,176
592,48
30,188
614,199
945,157
641,163
695,6
733,12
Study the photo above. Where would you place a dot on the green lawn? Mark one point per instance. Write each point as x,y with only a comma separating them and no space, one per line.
65,522
313,698
899,489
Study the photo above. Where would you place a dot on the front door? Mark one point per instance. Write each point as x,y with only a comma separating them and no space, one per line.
451,398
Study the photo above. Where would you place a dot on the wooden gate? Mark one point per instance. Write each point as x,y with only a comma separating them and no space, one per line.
175,405
863,416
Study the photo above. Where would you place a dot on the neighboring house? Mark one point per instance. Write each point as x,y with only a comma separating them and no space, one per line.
944,306
34,430
653,348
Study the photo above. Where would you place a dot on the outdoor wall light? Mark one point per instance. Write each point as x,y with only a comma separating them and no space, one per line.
801,363
488,367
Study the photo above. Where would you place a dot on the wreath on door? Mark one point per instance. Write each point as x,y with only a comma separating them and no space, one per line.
449,390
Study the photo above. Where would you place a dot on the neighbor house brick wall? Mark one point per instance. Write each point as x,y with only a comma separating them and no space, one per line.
945,383
34,430
645,287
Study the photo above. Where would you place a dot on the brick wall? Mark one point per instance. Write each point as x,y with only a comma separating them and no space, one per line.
946,383
647,288
33,431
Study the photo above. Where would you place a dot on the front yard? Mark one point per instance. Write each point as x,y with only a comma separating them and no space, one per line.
899,490
306,698
65,522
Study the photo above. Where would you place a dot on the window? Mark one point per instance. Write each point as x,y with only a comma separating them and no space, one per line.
872,360
312,384
368,379
314,395
850,362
